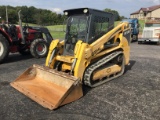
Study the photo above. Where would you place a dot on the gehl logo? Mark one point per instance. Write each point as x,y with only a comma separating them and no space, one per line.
126,32
95,52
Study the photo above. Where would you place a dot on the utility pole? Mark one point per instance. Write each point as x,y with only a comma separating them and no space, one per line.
6,15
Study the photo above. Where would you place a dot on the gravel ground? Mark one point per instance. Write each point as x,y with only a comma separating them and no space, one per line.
133,96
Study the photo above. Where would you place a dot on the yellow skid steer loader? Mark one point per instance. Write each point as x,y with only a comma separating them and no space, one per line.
93,52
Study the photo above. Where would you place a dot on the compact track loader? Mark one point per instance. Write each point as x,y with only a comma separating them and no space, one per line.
93,52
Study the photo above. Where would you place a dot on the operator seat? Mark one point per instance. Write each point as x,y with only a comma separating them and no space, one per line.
12,30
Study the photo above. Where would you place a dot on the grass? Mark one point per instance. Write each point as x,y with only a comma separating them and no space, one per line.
116,23
57,34
141,25
56,27
57,31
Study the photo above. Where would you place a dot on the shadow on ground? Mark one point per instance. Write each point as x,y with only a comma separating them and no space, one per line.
86,89
3,84
17,57
129,67
149,43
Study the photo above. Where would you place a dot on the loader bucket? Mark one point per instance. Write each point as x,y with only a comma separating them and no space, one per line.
48,87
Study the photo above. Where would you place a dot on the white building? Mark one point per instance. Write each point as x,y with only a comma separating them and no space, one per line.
152,12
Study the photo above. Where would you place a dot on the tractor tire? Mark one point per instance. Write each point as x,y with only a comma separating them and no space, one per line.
4,48
39,48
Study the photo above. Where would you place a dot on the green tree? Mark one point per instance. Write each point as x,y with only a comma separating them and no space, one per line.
3,13
12,15
31,15
117,16
122,17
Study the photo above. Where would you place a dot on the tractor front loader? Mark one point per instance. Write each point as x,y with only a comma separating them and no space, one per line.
92,53
25,40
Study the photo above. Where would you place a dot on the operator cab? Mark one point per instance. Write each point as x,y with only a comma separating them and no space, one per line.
87,25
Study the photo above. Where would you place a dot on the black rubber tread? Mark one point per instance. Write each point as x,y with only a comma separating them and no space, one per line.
33,48
5,44
88,72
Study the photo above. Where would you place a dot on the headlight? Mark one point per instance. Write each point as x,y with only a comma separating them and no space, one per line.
85,10
65,13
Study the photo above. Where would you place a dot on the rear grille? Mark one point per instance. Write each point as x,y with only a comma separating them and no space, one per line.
147,34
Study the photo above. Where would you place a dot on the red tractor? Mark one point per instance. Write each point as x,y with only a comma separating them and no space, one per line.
25,40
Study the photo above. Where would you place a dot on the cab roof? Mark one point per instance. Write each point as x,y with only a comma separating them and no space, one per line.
86,11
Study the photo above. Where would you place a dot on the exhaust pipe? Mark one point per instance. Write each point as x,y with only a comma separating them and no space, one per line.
20,24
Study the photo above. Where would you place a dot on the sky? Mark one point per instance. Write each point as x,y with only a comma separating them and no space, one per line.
124,7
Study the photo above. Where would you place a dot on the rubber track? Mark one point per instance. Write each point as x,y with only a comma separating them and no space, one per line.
90,69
